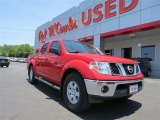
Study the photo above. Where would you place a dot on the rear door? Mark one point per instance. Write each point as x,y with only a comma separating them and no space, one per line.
41,59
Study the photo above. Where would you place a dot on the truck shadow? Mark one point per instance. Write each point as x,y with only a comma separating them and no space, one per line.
108,110
111,110
50,92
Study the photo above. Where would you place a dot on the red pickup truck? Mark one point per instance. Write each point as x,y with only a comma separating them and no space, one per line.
83,74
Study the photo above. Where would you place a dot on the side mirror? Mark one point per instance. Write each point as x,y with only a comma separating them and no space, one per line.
54,51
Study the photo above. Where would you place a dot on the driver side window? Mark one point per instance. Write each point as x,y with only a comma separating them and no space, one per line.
55,48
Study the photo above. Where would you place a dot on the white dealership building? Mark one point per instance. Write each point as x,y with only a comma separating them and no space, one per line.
126,28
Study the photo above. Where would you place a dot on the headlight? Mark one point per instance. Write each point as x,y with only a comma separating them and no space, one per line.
101,67
138,70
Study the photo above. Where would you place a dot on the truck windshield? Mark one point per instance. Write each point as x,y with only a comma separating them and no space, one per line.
79,47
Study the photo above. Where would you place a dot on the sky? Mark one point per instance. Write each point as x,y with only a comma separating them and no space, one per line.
20,18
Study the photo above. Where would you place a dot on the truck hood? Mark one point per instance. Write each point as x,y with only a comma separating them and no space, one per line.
101,57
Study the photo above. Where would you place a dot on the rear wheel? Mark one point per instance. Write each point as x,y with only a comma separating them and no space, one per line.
75,94
31,76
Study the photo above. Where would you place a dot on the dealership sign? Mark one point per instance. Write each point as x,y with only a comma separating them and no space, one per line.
110,10
58,28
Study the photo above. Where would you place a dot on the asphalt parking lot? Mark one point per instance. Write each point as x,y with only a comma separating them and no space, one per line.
21,101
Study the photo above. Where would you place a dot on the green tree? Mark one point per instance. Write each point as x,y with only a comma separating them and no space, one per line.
16,50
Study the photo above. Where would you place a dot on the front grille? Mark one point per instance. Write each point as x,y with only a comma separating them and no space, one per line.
128,68
114,69
123,69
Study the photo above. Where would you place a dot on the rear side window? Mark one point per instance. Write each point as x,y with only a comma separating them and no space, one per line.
44,47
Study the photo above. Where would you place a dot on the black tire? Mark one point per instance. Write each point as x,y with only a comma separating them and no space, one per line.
31,76
82,103
7,66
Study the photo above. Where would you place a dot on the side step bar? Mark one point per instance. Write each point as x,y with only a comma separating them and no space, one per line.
47,83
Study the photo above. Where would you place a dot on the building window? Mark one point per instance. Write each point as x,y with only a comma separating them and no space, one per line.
126,52
148,52
109,52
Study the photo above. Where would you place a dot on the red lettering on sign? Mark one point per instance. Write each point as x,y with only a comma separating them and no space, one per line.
58,28
51,30
109,6
72,24
42,36
97,12
110,11
86,18
89,18
123,8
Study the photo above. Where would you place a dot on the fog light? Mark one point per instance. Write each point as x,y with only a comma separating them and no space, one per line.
105,89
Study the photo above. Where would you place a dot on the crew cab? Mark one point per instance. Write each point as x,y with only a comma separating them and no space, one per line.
83,74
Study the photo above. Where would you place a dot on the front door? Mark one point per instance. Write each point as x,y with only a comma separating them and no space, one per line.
53,68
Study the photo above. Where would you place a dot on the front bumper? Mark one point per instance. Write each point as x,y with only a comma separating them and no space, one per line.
115,88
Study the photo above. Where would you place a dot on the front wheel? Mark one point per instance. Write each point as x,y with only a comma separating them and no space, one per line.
75,94
31,76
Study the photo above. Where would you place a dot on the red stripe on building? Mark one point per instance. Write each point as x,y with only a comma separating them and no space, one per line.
138,28
86,39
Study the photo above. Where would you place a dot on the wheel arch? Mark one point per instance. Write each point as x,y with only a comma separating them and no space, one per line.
66,73
32,63
82,68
